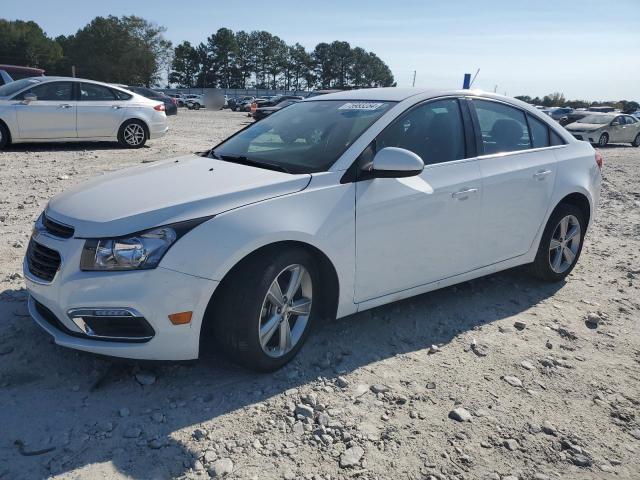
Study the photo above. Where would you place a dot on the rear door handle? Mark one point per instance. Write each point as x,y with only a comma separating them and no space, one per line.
65,105
462,194
539,175
116,107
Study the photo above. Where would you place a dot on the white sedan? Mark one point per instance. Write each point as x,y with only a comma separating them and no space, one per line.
61,109
331,206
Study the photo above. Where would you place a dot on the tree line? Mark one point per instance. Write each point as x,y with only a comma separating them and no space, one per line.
558,99
134,51
259,59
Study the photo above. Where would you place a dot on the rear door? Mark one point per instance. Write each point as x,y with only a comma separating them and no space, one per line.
417,230
518,168
631,128
52,115
100,111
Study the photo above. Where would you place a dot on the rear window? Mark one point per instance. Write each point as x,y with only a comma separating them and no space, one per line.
504,128
539,132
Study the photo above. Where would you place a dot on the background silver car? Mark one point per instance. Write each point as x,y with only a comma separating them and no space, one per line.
48,109
604,128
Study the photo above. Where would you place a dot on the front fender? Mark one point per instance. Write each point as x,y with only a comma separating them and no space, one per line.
322,216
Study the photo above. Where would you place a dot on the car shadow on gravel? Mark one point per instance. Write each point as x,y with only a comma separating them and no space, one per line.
92,410
64,147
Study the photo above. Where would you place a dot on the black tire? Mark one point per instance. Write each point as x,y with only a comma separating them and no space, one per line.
4,136
196,106
234,317
541,266
126,140
603,140
636,141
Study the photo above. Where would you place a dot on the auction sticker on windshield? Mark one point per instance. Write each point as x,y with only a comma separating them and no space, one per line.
361,106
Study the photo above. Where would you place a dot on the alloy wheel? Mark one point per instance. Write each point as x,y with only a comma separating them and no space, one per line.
604,139
133,134
565,243
285,311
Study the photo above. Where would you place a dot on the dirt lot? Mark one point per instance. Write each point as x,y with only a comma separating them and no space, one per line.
545,393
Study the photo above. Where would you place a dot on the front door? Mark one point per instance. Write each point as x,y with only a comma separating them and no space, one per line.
518,170
51,115
413,231
100,112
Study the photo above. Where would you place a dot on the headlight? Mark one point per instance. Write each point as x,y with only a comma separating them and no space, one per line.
139,251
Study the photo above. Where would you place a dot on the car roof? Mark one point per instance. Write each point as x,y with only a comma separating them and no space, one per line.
394,94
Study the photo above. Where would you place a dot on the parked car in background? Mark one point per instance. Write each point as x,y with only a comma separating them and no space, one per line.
262,112
605,128
234,103
10,73
52,109
170,103
603,109
558,113
194,102
574,117
315,93
332,206
178,98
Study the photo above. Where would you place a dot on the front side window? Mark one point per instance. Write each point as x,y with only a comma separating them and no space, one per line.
92,92
52,91
305,137
504,128
434,131
539,132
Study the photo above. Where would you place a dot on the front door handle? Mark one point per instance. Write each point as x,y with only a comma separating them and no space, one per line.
541,174
65,105
116,107
463,194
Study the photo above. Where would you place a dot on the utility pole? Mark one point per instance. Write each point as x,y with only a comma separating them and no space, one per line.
495,89
73,71
414,78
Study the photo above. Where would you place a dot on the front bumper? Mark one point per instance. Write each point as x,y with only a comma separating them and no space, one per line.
154,293
591,137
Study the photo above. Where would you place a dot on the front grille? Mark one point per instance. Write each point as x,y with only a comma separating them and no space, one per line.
57,229
42,261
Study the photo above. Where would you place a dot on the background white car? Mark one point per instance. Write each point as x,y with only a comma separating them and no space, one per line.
51,109
328,207
194,102
605,128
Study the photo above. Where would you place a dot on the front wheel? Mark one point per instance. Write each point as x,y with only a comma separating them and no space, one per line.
603,140
132,134
4,136
636,141
561,244
264,311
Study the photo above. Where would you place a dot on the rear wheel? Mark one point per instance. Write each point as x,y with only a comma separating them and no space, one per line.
561,244
132,134
265,310
4,136
636,141
603,140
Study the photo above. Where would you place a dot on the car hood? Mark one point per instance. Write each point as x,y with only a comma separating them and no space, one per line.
165,192
584,127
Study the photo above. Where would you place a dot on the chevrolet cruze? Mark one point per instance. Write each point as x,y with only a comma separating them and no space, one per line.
61,109
331,206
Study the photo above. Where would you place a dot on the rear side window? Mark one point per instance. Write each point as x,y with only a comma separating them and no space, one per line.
92,92
539,132
434,131
504,128
52,91
556,139
122,95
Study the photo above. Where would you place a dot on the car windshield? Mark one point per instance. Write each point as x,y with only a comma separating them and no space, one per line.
597,119
305,137
13,87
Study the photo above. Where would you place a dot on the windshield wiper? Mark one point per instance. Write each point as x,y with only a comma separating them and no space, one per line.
243,160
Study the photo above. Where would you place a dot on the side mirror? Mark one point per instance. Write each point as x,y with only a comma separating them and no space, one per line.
393,162
615,123
30,97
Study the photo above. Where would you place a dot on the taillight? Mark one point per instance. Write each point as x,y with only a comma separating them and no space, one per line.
159,107
599,159
174,101
254,107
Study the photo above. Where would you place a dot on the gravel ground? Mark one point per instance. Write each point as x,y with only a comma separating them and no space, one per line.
498,378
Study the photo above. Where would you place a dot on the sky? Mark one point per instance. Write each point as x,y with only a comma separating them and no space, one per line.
586,49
